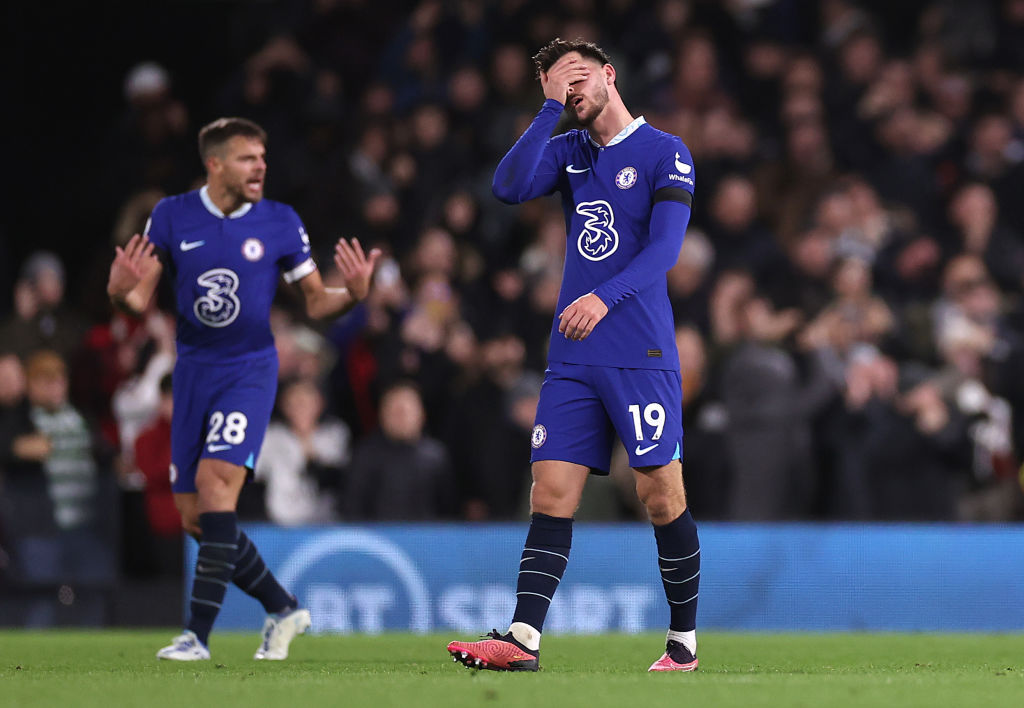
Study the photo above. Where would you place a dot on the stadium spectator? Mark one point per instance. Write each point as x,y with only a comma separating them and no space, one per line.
136,400
12,393
41,319
903,443
741,242
706,423
975,220
398,473
487,427
770,409
152,458
689,284
53,483
302,458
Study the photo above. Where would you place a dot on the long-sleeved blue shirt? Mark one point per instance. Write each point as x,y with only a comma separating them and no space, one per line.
626,208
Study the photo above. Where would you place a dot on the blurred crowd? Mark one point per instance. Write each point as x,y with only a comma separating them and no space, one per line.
848,295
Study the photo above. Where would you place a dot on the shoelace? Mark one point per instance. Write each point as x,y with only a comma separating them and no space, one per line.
267,631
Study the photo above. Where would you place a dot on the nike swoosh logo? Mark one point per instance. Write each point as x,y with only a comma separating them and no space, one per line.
643,451
218,448
189,245
682,166
570,169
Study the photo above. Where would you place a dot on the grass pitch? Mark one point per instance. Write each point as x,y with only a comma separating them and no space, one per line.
107,668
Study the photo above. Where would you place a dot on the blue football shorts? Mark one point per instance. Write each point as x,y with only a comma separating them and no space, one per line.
582,408
220,411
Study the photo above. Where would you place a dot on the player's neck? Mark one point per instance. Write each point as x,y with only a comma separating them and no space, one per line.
610,122
222,198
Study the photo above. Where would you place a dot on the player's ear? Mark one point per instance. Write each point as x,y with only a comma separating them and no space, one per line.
609,74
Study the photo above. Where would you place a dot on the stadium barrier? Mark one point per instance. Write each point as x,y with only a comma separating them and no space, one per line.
805,577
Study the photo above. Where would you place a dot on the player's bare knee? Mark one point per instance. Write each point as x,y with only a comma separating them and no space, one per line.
663,498
218,485
550,504
662,509
553,500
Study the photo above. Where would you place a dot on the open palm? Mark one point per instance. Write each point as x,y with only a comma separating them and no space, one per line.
131,264
356,268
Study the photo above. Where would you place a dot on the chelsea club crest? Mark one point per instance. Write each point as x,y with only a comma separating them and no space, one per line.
252,249
540,435
626,178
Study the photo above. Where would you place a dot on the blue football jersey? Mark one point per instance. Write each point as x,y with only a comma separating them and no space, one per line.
608,194
225,270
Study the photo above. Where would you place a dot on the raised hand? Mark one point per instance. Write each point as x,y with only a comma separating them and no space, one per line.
578,320
355,267
562,74
131,264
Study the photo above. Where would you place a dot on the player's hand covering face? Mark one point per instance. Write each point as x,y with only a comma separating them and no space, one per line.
131,265
355,267
563,74
582,83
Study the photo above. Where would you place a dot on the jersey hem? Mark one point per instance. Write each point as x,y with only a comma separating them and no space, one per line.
613,366
596,470
204,358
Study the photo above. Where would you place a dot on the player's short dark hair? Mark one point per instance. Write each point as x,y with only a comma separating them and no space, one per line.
214,135
558,48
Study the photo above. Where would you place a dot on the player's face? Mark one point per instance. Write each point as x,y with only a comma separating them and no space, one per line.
242,168
588,98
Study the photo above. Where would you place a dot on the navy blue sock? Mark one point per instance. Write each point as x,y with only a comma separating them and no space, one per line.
679,561
544,558
254,578
215,565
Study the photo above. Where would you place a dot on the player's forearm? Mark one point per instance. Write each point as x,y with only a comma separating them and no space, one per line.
332,302
668,226
514,179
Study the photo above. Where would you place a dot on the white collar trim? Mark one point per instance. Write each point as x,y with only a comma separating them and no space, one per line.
204,195
623,134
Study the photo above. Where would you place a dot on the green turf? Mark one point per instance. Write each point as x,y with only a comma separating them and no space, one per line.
72,669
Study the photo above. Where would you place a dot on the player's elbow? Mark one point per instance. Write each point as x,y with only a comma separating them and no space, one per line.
315,309
503,187
504,195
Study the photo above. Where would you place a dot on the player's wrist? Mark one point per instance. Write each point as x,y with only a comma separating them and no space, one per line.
122,303
354,296
604,298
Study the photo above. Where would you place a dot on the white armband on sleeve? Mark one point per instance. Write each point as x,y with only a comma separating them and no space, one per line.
300,271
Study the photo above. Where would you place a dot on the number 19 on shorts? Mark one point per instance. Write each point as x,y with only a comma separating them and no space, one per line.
653,415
